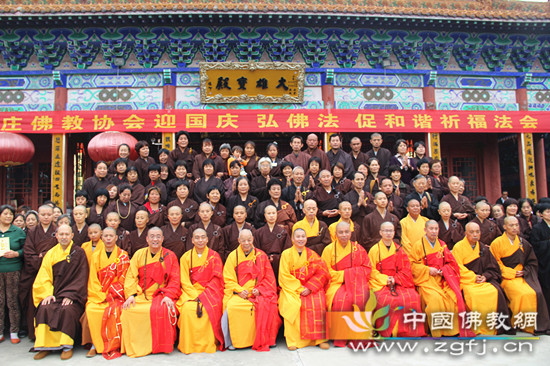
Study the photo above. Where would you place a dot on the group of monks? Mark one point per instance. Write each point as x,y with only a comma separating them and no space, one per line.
136,305
138,279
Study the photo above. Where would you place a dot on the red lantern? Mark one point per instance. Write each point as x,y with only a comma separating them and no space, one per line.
15,149
104,146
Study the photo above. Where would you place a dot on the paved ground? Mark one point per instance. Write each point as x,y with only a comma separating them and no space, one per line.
483,352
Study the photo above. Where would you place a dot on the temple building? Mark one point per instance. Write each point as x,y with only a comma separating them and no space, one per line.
470,78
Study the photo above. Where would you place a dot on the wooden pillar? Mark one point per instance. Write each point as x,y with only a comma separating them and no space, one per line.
540,167
527,160
432,139
58,190
169,101
521,99
327,93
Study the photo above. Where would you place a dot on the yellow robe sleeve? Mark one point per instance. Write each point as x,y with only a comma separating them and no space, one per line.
496,248
95,292
405,241
467,277
420,271
291,288
336,277
377,280
131,284
230,276
43,284
189,292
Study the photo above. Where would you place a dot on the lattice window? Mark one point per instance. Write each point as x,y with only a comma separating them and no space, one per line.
44,182
18,183
466,168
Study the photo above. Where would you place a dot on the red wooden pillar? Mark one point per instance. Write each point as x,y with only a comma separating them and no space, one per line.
433,140
169,101
540,167
327,93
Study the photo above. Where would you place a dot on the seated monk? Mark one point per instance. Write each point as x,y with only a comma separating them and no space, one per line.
106,295
201,302
392,280
250,302
480,279
152,287
59,294
349,267
437,277
520,282
304,278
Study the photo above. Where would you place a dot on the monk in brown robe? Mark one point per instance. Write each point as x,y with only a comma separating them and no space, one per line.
370,228
39,240
450,229
258,185
462,208
327,198
359,198
219,215
318,235
188,206
214,232
489,228
135,240
80,228
395,203
231,232
272,238
113,220
285,213
175,234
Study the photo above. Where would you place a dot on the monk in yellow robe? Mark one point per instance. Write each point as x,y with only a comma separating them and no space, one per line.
304,278
480,279
201,302
318,235
350,268
59,294
94,233
250,317
392,282
106,295
412,226
152,287
519,267
437,277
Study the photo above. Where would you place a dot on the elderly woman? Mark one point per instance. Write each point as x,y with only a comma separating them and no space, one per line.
12,239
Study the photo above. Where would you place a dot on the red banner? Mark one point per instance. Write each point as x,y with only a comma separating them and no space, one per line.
275,120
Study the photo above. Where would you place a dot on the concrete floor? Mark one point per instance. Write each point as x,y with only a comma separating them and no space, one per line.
485,352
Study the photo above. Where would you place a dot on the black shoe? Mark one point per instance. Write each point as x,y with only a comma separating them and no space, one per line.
23,334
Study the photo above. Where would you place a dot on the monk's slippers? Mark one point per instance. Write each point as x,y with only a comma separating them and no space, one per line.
324,345
292,348
91,353
41,354
65,355
15,340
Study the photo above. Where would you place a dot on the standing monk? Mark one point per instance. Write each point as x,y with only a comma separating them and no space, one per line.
201,301
304,278
370,229
106,295
251,316
349,267
152,287
393,283
519,266
412,225
462,208
39,240
489,228
59,294
480,278
318,236
437,277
